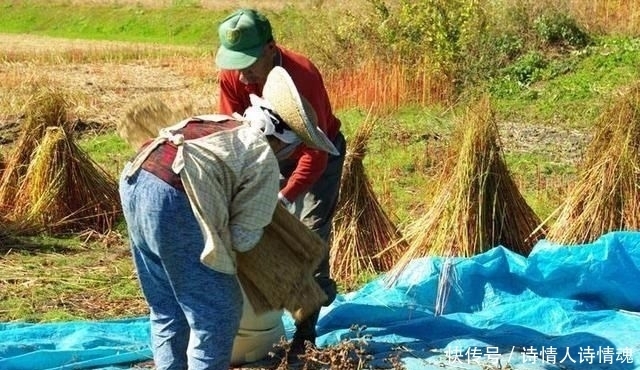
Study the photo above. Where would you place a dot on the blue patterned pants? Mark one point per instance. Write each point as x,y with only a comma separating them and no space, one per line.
194,311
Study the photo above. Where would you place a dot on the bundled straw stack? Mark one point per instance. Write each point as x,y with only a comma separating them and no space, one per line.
64,190
48,108
278,272
365,240
478,205
606,196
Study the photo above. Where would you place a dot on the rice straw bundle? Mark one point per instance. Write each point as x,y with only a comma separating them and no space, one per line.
364,236
606,196
64,190
47,108
145,117
478,205
3,165
278,272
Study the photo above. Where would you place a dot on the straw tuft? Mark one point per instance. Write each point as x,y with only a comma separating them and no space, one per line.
145,117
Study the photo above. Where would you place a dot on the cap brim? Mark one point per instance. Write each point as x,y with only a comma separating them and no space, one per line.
231,59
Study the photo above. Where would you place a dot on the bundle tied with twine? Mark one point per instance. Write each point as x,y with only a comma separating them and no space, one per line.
364,238
48,107
64,190
477,207
278,272
606,196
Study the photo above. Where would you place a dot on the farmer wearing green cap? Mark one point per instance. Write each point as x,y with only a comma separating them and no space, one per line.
246,55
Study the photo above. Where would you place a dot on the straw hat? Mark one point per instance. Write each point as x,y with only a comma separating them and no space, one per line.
295,110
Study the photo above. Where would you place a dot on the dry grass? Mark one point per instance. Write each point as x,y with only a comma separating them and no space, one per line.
349,354
147,116
67,281
606,195
364,239
610,16
101,81
221,4
49,183
387,86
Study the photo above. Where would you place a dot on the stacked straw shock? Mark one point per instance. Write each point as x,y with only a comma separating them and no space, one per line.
606,196
478,205
47,108
364,238
64,190
278,272
49,183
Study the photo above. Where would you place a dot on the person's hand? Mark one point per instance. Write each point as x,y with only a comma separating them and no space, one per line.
286,203
284,200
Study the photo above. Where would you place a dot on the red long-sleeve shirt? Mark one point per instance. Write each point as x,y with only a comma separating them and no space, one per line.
311,163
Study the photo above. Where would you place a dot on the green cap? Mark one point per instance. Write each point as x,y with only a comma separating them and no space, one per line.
243,36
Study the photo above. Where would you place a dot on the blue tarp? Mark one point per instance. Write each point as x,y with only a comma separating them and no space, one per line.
562,307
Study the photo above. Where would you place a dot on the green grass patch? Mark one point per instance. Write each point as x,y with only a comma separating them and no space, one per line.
175,25
573,89
109,150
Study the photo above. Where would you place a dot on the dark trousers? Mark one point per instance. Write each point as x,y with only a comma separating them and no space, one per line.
316,209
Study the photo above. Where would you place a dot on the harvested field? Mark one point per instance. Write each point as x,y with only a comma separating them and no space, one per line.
105,87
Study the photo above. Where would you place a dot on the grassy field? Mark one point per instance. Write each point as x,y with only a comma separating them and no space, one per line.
106,54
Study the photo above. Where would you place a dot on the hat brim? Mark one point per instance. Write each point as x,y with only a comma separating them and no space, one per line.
234,60
295,110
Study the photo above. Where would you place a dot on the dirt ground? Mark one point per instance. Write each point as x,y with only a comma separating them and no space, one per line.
103,89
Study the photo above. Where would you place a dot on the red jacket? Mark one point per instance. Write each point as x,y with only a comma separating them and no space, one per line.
311,163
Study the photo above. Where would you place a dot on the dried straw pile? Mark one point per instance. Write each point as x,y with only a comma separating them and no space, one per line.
478,205
278,272
47,108
606,196
365,240
64,190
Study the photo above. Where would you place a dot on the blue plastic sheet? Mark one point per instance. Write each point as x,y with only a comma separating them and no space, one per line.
562,307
